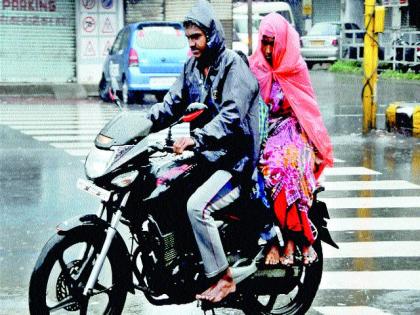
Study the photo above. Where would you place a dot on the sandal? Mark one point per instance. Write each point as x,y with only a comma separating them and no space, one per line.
288,258
310,257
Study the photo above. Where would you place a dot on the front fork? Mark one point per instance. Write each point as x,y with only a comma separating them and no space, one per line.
111,231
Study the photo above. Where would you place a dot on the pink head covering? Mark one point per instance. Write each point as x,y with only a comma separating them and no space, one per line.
290,70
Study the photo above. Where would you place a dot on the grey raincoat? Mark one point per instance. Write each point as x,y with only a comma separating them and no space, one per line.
227,136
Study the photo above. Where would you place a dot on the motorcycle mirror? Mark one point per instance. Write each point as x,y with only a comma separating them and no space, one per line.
193,107
192,116
193,111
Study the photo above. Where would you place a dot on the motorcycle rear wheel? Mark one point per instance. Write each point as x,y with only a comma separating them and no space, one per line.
298,300
62,270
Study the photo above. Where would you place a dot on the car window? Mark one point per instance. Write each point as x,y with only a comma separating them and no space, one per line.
117,43
160,37
240,25
324,29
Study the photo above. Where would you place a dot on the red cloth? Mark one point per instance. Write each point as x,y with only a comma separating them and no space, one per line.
290,70
291,218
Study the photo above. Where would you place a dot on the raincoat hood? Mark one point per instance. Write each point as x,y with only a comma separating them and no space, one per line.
290,70
202,14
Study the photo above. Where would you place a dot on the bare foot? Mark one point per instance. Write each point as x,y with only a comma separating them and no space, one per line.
309,255
273,256
287,259
220,290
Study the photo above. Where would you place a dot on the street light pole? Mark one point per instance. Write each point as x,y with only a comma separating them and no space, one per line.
374,24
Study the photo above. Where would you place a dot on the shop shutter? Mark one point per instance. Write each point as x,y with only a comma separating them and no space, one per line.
326,10
139,11
38,41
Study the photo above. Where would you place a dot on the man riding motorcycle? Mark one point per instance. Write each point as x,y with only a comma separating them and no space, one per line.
226,137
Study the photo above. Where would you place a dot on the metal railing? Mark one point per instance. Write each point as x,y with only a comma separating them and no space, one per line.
399,50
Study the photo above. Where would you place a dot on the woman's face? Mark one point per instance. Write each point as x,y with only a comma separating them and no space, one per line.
267,46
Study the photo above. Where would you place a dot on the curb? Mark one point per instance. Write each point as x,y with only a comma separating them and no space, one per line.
57,91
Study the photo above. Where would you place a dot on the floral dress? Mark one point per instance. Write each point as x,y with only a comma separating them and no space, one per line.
288,158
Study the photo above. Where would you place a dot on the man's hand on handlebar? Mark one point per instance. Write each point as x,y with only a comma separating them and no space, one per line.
182,143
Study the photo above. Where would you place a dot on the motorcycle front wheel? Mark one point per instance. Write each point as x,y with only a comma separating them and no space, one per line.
61,272
299,299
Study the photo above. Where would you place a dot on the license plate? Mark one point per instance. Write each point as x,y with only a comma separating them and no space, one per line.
93,190
317,42
162,82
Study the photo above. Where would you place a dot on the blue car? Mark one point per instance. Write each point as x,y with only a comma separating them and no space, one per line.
146,57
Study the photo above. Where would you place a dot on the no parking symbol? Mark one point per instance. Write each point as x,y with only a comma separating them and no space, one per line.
107,4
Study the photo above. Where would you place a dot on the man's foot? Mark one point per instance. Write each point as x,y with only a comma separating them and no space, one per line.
273,256
220,290
287,259
309,255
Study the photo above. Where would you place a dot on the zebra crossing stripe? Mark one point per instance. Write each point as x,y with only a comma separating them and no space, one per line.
369,185
60,123
78,152
372,202
349,310
373,249
81,131
371,280
96,126
72,145
66,138
339,171
374,224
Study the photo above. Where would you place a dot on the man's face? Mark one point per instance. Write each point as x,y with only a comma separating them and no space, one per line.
267,46
196,40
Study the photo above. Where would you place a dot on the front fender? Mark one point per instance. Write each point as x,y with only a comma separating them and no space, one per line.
98,226
83,220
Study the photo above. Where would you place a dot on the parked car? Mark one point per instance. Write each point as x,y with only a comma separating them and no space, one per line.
146,57
321,44
259,10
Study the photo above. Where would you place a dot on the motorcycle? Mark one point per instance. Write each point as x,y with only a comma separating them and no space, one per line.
141,238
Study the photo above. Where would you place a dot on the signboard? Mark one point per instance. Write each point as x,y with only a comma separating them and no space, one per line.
98,24
395,3
307,7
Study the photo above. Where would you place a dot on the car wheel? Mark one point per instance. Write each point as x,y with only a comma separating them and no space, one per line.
127,95
309,64
103,89
160,96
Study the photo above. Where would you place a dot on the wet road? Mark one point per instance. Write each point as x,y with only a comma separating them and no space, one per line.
373,195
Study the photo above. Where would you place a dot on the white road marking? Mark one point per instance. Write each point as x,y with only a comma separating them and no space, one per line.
369,185
349,310
373,249
372,202
338,171
374,224
371,280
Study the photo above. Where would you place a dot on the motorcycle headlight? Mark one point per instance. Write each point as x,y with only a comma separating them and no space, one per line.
125,179
98,161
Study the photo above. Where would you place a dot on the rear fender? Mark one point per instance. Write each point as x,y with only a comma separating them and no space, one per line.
98,226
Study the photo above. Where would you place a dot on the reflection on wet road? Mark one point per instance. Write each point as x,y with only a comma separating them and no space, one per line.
373,195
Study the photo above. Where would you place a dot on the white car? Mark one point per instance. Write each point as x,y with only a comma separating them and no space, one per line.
259,10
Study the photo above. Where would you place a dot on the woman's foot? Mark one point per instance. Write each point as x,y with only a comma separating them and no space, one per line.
287,259
309,255
273,256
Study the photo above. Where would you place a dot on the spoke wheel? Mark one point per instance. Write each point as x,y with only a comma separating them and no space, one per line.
58,280
298,299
